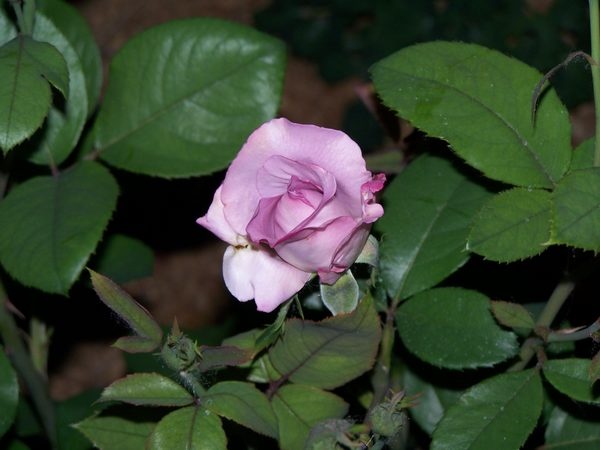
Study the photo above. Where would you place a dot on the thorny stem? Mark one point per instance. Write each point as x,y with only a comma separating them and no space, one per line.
381,375
192,383
595,68
555,302
34,380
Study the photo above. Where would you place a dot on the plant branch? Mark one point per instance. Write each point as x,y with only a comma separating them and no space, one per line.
595,44
381,375
584,333
20,358
555,302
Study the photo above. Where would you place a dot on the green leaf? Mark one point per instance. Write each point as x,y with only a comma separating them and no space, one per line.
219,356
370,252
583,156
9,392
122,258
26,66
428,212
329,353
63,126
138,318
298,408
71,411
571,376
192,428
432,403
513,225
50,225
454,328
271,333
17,445
341,297
594,372
577,209
497,413
512,315
116,433
242,403
183,97
149,389
76,30
568,432
479,100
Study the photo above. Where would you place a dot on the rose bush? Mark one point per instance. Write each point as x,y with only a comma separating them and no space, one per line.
296,200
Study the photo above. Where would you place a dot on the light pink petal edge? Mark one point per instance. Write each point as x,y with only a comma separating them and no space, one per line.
257,274
214,220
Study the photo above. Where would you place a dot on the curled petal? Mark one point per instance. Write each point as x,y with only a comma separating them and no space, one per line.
313,250
215,221
331,150
255,273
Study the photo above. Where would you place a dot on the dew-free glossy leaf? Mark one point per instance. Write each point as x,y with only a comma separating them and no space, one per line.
329,353
298,408
138,318
64,124
497,413
147,389
479,100
583,156
183,97
9,392
191,428
341,297
571,376
242,403
50,225
512,315
454,328
26,68
577,209
431,403
116,433
76,30
122,258
512,225
428,211
567,432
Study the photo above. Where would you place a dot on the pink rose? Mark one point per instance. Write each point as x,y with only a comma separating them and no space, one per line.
296,200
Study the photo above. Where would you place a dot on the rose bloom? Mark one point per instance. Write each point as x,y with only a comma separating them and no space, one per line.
297,200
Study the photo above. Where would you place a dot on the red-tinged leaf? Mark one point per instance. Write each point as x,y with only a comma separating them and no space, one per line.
138,318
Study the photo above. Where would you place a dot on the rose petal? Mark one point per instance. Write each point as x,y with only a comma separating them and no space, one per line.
328,149
294,194
215,221
313,250
258,274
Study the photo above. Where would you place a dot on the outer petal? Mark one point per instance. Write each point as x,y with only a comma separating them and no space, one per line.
313,250
258,274
215,221
331,150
